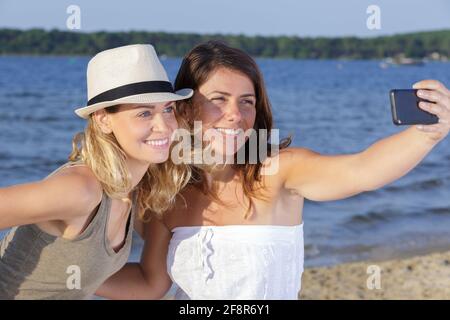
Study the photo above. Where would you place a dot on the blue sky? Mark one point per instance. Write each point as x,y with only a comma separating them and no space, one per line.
251,17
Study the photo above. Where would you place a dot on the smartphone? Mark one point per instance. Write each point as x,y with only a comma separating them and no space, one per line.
405,108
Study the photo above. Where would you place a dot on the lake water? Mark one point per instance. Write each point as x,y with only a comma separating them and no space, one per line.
332,107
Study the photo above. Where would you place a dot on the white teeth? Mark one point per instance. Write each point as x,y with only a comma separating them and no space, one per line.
158,142
229,131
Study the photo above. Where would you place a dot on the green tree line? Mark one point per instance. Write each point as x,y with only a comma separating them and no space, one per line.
56,42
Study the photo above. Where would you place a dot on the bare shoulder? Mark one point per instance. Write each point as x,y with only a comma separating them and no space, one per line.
296,153
79,185
170,218
281,164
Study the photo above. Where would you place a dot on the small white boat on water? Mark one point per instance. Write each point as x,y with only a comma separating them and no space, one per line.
401,60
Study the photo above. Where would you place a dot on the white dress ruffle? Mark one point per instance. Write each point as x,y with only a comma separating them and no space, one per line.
236,262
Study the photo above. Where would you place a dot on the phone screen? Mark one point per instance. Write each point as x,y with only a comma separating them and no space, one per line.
405,108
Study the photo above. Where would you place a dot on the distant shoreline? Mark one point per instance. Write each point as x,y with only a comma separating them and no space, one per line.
74,56
418,45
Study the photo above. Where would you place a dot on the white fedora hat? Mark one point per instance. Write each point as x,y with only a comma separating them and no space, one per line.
128,74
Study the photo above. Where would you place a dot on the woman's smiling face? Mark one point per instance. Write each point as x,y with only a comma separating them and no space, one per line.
226,106
143,131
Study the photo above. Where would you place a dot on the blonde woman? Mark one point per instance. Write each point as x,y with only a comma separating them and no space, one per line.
72,230
238,233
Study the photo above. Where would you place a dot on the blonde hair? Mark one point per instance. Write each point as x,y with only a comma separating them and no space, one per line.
101,152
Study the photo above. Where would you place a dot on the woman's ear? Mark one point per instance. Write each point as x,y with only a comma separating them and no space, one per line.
103,120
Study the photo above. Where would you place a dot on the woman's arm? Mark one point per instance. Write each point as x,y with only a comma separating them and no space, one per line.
64,196
324,178
147,279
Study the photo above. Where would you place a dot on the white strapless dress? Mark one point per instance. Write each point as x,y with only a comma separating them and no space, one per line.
236,262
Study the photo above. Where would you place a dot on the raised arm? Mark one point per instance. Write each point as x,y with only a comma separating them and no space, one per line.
332,177
320,177
63,196
147,279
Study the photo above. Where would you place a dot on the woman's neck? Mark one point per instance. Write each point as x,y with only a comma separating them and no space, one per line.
137,170
222,174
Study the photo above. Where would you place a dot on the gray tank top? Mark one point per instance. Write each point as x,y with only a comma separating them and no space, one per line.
37,265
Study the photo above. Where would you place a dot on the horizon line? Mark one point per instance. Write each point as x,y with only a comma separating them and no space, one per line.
224,34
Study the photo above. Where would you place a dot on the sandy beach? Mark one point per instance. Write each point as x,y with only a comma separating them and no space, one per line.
419,277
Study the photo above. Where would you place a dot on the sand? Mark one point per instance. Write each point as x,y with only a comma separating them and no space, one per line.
420,277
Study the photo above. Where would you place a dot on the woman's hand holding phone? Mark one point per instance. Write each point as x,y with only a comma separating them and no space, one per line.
439,95
427,107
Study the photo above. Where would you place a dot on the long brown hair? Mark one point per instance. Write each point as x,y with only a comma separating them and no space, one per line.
197,66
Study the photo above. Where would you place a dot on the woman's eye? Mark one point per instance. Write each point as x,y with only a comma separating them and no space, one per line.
218,99
169,109
145,114
250,102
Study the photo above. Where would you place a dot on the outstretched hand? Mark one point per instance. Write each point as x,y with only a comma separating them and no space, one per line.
436,92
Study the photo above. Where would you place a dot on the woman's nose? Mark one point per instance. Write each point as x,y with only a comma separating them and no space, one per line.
233,113
159,124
